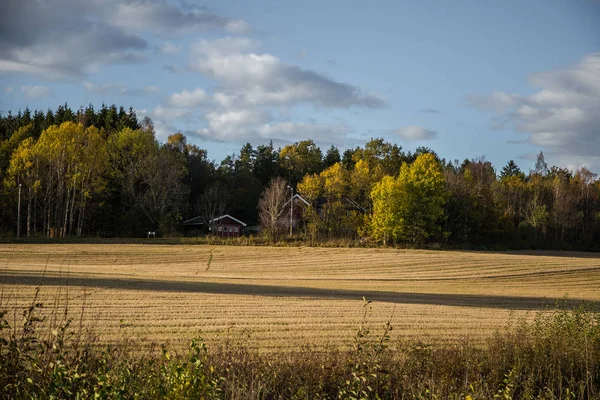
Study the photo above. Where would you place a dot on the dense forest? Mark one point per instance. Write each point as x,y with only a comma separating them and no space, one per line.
103,173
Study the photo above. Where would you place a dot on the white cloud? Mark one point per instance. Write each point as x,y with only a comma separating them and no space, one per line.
102,88
36,92
233,125
415,133
61,39
254,93
257,125
252,79
163,130
10,66
225,100
496,102
68,39
9,89
162,16
170,113
293,131
188,99
561,117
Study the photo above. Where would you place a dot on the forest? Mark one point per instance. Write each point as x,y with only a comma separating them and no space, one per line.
103,173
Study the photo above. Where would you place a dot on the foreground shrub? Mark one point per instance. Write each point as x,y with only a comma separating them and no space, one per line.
555,356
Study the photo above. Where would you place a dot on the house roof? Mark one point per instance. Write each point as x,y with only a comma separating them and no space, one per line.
321,201
194,221
355,204
228,216
298,197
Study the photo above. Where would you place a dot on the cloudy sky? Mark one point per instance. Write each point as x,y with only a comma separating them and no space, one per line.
501,79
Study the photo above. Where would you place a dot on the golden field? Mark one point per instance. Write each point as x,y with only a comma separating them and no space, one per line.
278,298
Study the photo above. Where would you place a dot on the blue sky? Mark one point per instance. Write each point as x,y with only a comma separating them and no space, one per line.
502,79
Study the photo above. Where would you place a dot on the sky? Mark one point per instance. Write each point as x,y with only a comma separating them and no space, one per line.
500,79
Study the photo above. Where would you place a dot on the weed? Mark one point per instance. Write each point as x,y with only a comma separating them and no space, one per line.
557,355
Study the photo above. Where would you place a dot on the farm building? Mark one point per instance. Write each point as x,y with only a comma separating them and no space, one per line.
227,226
348,204
299,206
194,226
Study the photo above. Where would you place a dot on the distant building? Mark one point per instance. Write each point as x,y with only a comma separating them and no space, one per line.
348,204
297,200
194,226
195,222
299,206
227,226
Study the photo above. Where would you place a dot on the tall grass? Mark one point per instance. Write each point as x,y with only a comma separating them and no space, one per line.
556,356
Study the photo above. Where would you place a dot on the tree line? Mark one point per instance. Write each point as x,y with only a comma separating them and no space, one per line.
102,172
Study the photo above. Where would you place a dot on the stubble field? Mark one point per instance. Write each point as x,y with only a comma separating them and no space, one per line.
276,299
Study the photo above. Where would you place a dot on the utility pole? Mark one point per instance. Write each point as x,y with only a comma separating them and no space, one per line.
19,215
291,210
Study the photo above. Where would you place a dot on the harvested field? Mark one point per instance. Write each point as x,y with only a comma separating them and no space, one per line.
281,298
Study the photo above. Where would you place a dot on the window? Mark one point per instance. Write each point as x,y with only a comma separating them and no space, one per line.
220,228
236,229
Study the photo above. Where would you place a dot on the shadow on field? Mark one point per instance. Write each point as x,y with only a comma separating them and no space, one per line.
461,300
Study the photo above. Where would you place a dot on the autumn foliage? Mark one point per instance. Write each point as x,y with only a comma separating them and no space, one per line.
105,173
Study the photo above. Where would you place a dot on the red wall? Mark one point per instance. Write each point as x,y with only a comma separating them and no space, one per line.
227,228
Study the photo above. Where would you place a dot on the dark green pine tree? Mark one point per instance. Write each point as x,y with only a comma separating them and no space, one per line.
510,169
332,157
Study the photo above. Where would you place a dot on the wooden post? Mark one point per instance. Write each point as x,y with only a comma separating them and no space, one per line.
291,211
19,214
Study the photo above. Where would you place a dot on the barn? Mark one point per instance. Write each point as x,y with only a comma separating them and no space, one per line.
195,226
298,208
227,226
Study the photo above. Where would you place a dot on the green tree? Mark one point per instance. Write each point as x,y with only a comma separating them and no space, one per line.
410,207
151,176
7,147
332,212
23,170
385,224
512,193
482,211
511,169
245,161
311,187
68,166
422,198
378,153
265,163
300,159
331,157
360,181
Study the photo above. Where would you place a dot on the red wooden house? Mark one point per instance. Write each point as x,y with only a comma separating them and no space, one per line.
227,226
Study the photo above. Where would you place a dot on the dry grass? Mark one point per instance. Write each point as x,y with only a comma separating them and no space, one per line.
281,298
